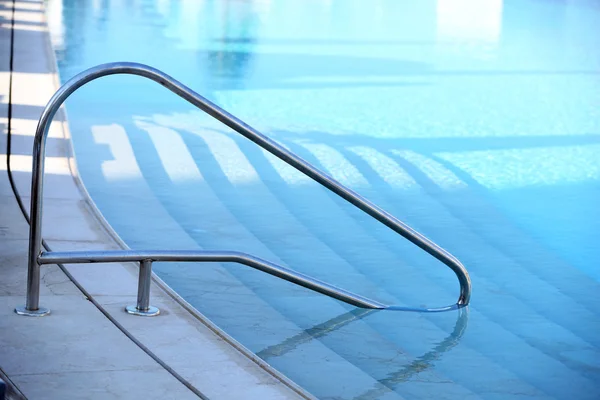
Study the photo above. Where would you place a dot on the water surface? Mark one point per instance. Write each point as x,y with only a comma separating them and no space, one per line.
475,121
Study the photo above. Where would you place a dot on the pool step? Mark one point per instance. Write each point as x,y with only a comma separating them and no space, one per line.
226,200
413,283
287,301
213,290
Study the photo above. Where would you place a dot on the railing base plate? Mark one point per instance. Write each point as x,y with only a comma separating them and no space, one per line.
150,312
40,312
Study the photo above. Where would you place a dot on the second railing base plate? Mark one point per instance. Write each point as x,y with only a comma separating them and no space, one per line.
40,312
150,312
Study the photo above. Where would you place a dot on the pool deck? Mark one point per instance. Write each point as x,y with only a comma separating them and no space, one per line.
77,351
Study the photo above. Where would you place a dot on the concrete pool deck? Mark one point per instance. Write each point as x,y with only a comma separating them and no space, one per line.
78,351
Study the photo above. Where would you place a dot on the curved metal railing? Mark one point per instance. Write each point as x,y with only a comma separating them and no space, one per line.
145,258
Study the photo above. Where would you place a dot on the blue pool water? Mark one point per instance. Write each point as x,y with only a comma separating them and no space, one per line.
475,121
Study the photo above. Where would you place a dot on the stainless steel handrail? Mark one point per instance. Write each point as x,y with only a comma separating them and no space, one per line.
36,257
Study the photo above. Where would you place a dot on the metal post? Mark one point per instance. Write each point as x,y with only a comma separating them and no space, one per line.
143,306
32,306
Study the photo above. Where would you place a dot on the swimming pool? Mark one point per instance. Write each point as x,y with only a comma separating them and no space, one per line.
476,122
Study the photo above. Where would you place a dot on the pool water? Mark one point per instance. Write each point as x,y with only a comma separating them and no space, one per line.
477,122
